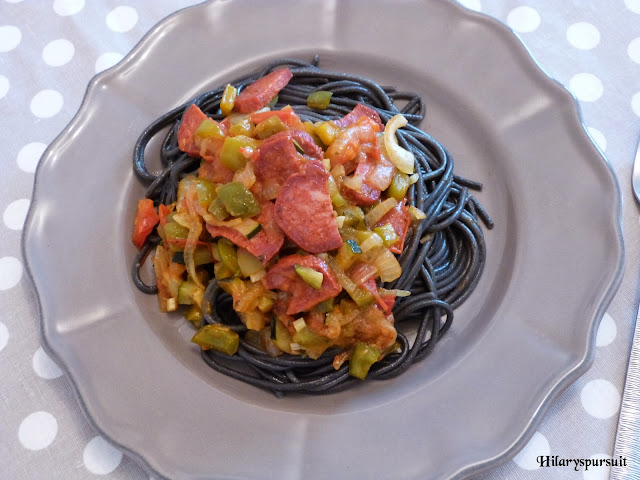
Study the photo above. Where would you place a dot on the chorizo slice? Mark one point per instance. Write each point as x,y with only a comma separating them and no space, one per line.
304,210
359,111
265,244
282,276
259,93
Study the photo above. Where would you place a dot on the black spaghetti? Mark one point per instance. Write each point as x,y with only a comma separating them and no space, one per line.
441,262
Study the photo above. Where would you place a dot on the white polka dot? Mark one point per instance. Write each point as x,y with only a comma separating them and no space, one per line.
586,87
598,472
122,19
107,60
583,35
65,8
4,85
634,50
471,4
44,366
600,398
10,272
633,5
15,213
607,331
4,336
635,104
10,37
598,137
38,430
523,19
58,52
100,457
29,156
46,103
538,445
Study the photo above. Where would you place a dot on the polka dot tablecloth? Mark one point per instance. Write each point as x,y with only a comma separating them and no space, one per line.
49,50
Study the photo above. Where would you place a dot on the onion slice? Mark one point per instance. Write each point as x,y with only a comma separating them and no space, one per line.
402,159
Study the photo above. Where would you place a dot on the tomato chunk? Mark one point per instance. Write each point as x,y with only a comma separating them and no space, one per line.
146,219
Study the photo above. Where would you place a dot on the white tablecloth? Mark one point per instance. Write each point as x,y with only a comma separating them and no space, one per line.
49,49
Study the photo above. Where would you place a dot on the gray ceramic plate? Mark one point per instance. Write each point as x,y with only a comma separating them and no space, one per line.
527,332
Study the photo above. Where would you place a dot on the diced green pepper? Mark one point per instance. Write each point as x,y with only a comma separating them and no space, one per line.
353,216
362,357
270,126
217,337
283,337
228,99
209,128
325,306
240,125
230,154
238,200
362,297
387,233
174,231
194,315
228,255
221,271
319,99
336,198
189,293
399,186
217,209
201,256
206,190
327,131
272,102
312,343
311,277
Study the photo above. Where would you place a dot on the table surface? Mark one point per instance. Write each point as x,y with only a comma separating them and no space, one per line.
49,50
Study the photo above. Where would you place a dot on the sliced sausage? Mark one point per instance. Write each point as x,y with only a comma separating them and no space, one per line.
265,244
282,276
304,210
275,160
359,111
258,94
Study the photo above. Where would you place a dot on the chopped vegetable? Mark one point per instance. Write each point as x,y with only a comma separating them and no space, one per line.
362,358
399,186
217,337
145,221
238,200
327,131
403,159
311,277
379,211
248,263
228,99
209,128
387,233
228,255
270,126
194,315
319,99
231,155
